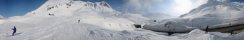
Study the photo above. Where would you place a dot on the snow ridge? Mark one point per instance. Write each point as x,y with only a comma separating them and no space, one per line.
55,5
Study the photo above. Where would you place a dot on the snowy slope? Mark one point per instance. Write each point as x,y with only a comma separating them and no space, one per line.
99,13
215,14
59,28
98,22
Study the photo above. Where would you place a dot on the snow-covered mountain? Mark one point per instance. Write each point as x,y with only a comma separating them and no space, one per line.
79,20
215,14
74,20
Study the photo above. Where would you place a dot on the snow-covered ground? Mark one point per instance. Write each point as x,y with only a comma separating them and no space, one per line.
78,20
215,14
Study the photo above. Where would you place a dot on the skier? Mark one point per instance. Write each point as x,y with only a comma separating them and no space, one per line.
154,20
206,29
232,32
14,31
49,14
78,21
170,33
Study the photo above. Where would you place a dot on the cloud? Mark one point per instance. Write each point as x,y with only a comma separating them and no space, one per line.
184,6
136,4
148,8
168,7
145,4
1,17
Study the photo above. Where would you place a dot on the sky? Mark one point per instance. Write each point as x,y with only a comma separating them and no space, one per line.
175,8
18,7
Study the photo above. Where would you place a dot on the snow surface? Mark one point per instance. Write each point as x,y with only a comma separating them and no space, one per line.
215,14
98,21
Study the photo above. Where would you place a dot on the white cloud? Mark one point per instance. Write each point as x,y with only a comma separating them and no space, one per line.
1,17
138,4
184,6
148,8
171,7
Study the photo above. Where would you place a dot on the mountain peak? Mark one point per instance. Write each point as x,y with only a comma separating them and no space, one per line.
216,6
98,4
70,5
